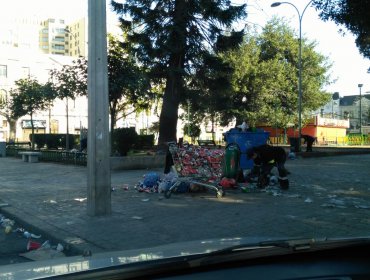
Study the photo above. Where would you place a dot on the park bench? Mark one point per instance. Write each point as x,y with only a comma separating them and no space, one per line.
30,156
207,143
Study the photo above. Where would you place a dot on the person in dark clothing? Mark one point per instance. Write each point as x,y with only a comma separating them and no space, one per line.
309,140
83,144
265,158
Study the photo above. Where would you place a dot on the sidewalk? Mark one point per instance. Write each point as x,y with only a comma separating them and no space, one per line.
329,196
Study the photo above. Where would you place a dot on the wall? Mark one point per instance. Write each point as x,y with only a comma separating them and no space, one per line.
137,162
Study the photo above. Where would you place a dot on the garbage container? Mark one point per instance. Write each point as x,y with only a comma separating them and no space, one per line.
246,140
294,144
2,149
231,163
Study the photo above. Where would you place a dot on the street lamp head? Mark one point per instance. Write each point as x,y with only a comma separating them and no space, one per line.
360,85
275,4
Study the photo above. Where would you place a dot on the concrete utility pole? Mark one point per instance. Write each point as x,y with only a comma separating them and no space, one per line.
98,144
360,86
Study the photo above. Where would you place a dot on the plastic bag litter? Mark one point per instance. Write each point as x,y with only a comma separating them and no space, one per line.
151,180
244,126
291,155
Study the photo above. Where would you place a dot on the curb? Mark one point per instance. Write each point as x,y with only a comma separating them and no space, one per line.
331,153
73,245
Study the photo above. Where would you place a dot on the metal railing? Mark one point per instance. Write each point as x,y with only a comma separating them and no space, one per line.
76,158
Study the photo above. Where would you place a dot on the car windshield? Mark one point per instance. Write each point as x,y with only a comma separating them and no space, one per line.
141,130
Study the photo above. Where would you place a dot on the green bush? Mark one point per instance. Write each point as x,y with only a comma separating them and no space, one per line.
38,139
55,141
124,140
144,142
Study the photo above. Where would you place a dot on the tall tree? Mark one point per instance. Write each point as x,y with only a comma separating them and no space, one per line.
209,91
353,14
29,97
129,84
70,82
7,112
172,37
265,81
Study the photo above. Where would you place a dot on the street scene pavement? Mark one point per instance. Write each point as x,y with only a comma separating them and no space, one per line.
328,197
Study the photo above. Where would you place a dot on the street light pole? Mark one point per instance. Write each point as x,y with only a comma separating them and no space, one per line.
67,134
360,86
300,16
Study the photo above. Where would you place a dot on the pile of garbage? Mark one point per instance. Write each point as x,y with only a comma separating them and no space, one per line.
198,161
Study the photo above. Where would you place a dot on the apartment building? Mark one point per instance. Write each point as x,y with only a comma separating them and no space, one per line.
52,37
17,63
76,38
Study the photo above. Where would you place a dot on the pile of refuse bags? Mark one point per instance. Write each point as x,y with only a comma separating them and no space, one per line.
153,183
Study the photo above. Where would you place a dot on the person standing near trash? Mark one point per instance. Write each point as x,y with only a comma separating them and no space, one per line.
265,158
309,140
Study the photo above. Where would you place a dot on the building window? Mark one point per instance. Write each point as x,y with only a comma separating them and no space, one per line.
3,97
25,72
59,39
3,71
59,47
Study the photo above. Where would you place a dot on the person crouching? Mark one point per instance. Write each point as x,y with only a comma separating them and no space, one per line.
266,157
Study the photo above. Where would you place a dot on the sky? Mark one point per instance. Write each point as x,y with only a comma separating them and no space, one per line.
349,67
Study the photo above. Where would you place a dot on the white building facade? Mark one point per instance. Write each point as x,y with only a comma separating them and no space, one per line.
17,63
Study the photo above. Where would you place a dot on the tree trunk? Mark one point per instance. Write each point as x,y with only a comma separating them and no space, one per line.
169,114
113,114
174,84
32,134
12,129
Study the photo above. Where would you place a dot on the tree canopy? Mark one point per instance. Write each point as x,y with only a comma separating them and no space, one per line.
129,84
172,38
265,78
352,14
29,97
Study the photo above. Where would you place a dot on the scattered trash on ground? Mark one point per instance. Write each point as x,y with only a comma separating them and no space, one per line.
137,217
362,206
81,199
7,224
272,190
50,201
36,250
293,195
